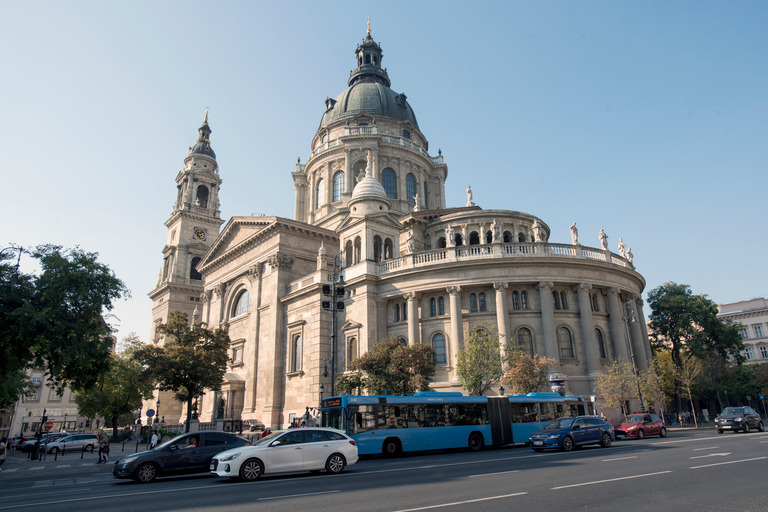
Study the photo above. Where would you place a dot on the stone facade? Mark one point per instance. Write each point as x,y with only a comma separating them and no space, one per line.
753,317
370,207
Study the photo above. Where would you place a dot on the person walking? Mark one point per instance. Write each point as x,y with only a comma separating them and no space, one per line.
3,449
103,450
153,442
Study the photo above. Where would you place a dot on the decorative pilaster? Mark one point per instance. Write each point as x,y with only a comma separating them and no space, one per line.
618,332
454,305
502,315
588,330
413,320
548,319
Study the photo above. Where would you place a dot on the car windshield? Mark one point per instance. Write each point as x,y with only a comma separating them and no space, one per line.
733,411
268,439
174,440
560,423
637,418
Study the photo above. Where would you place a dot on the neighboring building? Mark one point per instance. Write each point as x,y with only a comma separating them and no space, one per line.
370,205
753,317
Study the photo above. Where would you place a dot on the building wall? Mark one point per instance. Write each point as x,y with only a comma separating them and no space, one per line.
753,317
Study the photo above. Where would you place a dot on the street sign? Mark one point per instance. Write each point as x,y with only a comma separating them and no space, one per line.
49,425
150,413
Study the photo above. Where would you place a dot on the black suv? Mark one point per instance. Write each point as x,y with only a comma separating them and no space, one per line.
738,418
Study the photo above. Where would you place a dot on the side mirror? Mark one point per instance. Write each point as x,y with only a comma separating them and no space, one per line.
276,443
576,426
173,447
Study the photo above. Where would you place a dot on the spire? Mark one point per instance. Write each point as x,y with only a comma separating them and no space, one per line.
203,145
369,55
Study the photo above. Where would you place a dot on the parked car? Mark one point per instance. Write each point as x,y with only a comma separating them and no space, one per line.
29,445
738,418
569,433
74,442
187,453
253,426
298,449
639,425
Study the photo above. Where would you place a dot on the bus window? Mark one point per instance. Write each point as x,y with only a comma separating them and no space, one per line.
471,414
396,416
362,418
524,412
334,418
547,412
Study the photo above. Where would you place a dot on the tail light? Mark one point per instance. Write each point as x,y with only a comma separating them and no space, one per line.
352,442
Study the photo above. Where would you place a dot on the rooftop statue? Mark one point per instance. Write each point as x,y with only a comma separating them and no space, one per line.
574,234
603,239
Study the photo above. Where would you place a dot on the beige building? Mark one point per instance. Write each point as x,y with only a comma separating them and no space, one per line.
370,210
753,317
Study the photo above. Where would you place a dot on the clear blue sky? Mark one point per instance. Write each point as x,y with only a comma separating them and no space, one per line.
645,119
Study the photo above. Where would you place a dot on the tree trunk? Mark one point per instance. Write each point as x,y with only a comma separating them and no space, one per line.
189,412
114,427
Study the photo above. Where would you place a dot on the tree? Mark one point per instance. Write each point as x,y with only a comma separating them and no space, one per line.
525,373
689,372
120,390
651,386
618,385
56,320
480,364
193,358
390,367
688,323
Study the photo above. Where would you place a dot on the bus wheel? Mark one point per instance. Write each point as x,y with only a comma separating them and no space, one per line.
391,447
475,442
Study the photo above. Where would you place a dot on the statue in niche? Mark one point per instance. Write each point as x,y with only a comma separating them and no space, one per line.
603,239
410,246
630,256
449,236
495,231
574,234
622,246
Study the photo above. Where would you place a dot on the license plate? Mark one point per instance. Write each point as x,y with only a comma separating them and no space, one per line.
537,443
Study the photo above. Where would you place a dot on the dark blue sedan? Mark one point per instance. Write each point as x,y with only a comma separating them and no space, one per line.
568,433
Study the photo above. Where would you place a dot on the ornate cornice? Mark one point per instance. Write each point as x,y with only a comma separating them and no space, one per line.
280,261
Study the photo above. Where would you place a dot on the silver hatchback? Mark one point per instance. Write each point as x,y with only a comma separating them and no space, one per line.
74,442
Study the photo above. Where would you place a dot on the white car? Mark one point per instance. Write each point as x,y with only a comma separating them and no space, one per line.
298,449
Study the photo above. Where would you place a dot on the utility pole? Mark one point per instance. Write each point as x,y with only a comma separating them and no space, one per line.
334,291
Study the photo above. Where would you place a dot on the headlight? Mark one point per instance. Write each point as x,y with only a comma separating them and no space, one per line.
553,436
633,427
128,459
230,457
739,419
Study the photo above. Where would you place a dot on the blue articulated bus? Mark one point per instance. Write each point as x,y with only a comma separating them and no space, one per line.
389,425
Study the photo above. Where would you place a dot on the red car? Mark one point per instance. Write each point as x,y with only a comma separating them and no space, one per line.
640,425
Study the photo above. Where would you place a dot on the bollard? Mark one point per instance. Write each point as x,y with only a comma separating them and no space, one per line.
137,445
123,446
82,452
63,449
56,456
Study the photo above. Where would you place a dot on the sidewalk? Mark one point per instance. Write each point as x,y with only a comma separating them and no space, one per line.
18,462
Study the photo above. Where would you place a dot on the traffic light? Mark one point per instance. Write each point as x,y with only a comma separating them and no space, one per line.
326,304
340,291
340,305
326,289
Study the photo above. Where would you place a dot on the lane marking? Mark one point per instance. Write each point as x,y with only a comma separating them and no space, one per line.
463,502
620,458
295,495
499,473
710,455
729,462
707,448
610,480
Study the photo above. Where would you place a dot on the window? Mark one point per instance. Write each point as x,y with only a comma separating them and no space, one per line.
351,350
483,306
406,134
338,185
744,333
515,301
525,340
405,311
749,354
397,312
556,300
440,306
242,304
296,353
524,299
600,343
432,307
474,238
193,273
758,331
389,181
764,352
320,193
594,303
426,196
410,188
403,341
438,343
565,343
473,303
563,300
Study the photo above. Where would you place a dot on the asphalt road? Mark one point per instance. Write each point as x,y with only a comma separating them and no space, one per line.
687,471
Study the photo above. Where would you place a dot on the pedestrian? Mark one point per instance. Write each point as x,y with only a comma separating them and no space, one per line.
3,449
103,450
153,442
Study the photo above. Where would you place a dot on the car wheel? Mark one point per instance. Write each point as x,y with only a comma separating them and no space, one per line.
567,444
89,448
663,432
719,431
335,464
640,434
538,449
746,427
145,473
475,442
391,447
606,442
54,450
760,427
251,470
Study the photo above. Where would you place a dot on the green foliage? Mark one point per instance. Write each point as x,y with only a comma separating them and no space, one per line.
193,358
525,373
479,361
685,323
618,385
120,390
390,367
56,320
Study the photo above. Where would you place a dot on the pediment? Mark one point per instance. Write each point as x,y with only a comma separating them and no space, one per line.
237,231
378,218
351,325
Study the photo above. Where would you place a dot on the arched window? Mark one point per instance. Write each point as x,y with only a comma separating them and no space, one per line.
389,181
595,304
296,353
440,306
202,196
473,303
338,185
515,300
438,343
507,237
403,341
348,254
521,237
358,249
524,299
565,343
525,340
441,242
406,134
428,242
410,187
563,300
397,312
426,196
242,304
489,237
351,350
432,307
474,238
459,240
378,246
483,307
320,200
193,273
556,300
600,343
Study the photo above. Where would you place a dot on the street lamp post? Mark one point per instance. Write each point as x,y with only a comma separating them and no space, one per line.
157,408
627,312
15,277
336,291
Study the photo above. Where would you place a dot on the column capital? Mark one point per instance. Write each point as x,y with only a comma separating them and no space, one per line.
545,285
411,295
500,285
582,287
453,290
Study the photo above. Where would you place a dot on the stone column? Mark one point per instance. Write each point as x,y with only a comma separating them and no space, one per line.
456,326
349,178
641,323
548,319
618,332
638,345
588,331
502,315
375,162
413,318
